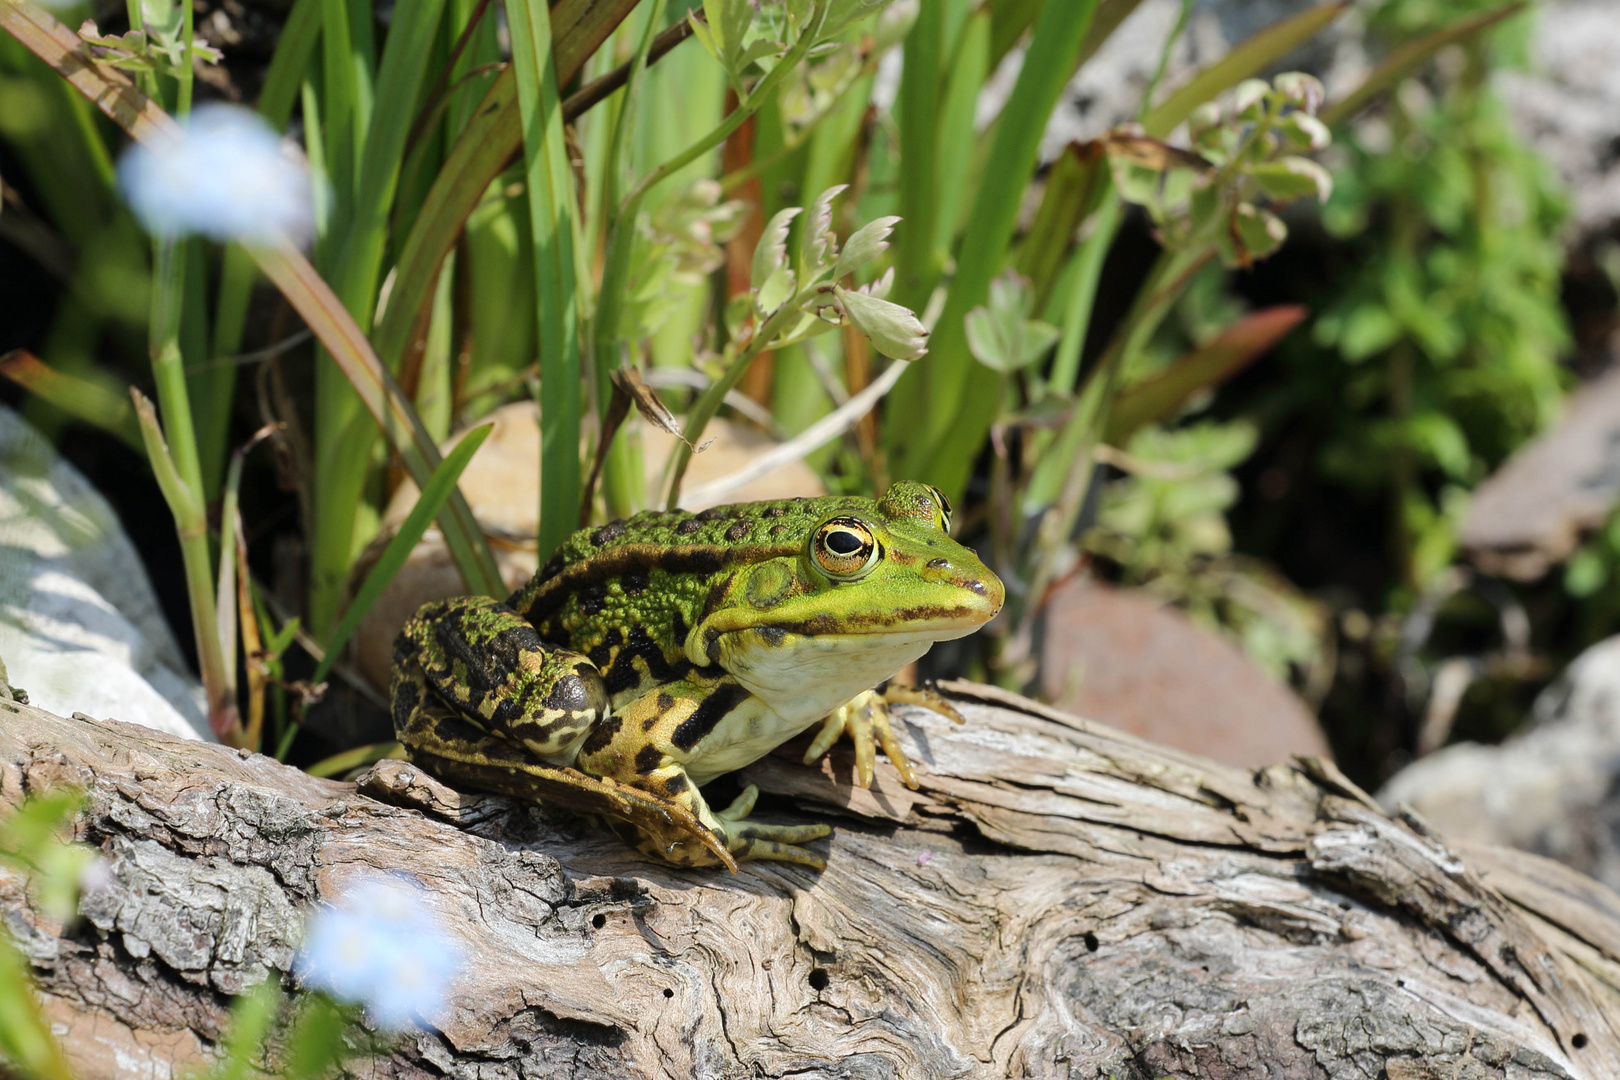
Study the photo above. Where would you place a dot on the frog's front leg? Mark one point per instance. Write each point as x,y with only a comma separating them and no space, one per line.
653,737
866,718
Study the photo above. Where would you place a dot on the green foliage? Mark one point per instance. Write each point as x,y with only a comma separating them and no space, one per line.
1164,526
486,237
1448,319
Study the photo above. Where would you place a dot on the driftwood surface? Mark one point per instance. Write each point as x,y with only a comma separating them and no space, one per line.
1058,900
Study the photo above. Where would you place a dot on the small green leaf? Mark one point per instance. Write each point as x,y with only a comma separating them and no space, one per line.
893,330
1586,573
818,247
1000,335
1300,90
1302,131
864,245
1293,178
1249,99
1260,231
771,252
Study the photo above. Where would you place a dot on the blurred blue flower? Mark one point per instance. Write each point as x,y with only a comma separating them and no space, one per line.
226,177
381,947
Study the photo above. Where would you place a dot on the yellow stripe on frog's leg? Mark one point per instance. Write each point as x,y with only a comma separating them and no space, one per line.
492,668
646,744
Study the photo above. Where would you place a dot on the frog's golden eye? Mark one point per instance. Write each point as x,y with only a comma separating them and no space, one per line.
944,507
845,549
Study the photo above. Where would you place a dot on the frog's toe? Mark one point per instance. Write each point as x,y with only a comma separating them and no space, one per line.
866,718
926,696
749,841
831,729
742,805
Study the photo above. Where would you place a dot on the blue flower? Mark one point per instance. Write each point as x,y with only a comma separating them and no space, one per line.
226,176
381,947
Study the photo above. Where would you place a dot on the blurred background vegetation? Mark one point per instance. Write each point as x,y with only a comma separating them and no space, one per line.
1247,343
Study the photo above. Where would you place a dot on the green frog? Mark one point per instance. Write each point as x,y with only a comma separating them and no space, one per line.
651,655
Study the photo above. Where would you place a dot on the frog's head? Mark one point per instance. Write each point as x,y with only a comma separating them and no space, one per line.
873,581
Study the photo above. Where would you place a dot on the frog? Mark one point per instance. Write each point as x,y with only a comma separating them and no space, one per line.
654,654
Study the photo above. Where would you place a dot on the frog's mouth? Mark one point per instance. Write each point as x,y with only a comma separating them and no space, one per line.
934,622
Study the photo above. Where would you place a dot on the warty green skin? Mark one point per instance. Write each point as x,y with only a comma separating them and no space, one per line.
653,654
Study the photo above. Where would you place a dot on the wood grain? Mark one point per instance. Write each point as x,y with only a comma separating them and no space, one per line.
1059,899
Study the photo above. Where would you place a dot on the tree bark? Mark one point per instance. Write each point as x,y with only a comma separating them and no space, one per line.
1059,899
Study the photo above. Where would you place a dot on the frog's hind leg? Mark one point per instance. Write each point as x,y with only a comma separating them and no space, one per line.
652,740
450,713
488,665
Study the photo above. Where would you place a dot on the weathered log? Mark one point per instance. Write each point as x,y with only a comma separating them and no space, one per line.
1058,899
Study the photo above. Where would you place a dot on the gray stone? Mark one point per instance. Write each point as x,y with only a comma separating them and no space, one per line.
80,628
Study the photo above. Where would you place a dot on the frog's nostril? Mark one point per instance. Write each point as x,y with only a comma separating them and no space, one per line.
978,587
939,564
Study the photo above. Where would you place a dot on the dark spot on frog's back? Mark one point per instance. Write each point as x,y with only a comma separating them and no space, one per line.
720,702
775,511
739,530
622,675
591,596
648,758
635,581
602,733
688,527
608,533
601,654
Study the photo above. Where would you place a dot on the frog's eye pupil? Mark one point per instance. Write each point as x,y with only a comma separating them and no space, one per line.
845,549
841,542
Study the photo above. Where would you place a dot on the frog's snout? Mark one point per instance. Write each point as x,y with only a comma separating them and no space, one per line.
977,580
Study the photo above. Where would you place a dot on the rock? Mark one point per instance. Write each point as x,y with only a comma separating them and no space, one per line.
502,485
1118,657
1568,104
80,628
1553,789
1533,511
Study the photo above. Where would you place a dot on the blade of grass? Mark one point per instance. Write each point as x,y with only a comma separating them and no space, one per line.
915,258
941,443
438,489
340,471
25,1037
491,139
1406,59
92,402
358,757
551,220
191,523
969,68
347,346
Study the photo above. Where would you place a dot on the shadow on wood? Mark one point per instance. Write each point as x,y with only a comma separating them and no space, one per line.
1058,900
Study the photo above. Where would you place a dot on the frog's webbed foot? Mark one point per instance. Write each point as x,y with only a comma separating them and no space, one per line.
756,840
866,718
728,835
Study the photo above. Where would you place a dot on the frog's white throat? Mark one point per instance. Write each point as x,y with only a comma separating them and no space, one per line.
802,678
